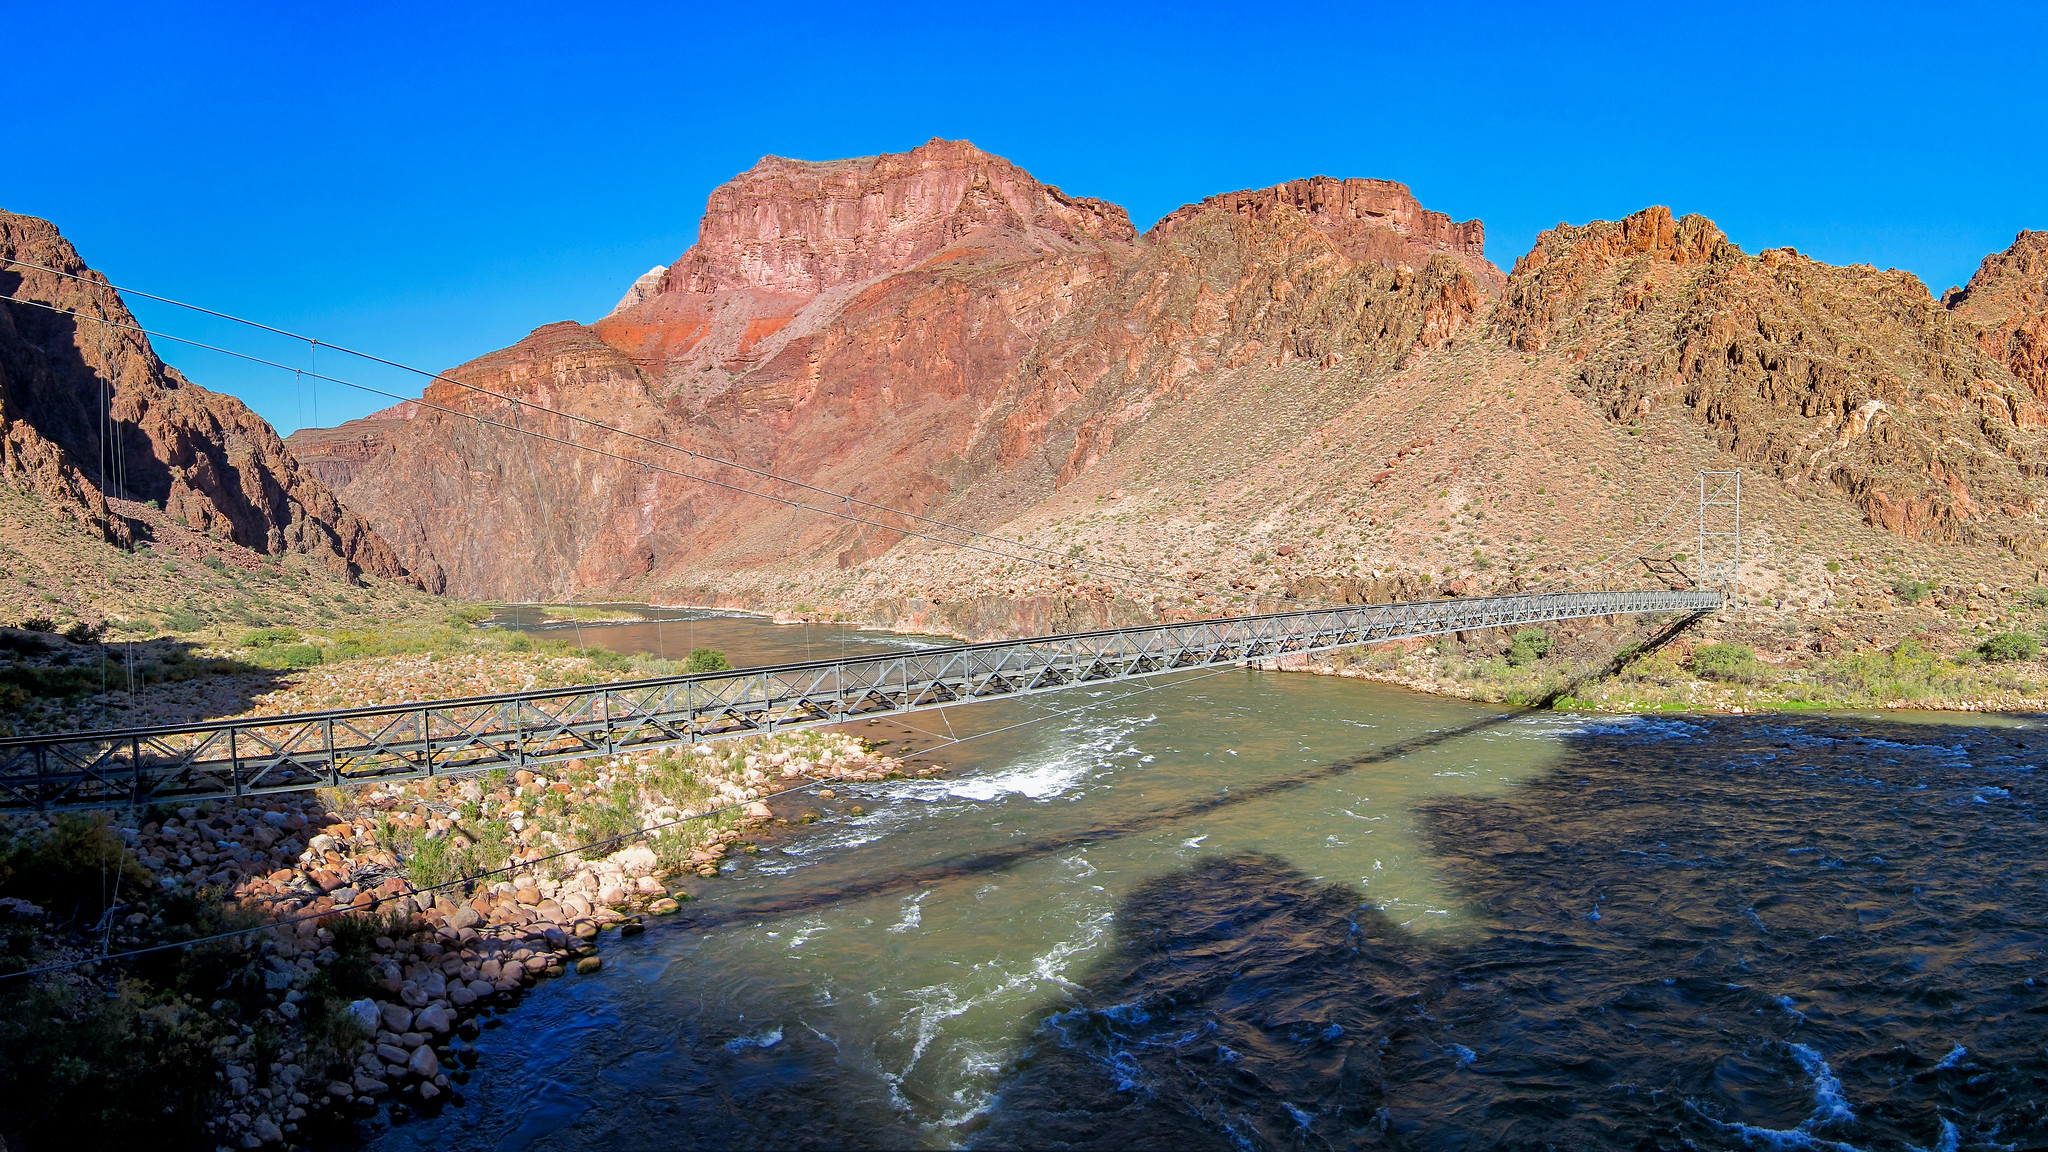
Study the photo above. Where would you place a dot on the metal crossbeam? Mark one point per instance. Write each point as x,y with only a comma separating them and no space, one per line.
266,754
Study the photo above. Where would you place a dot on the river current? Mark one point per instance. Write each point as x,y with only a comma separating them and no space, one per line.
1266,910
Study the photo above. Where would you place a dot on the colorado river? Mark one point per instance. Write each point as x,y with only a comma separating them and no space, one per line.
1249,909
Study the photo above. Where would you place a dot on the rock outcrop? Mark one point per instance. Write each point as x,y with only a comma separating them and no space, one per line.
94,423
1365,219
2007,300
1853,378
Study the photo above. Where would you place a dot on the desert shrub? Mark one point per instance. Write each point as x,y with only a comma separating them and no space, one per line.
1907,672
38,624
183,620
608,812
75,869
469,615
2006,646
2037,596
83,633
129,1072
1528,646
298,656
1730,663
606,659
270,637
707,660
1911,591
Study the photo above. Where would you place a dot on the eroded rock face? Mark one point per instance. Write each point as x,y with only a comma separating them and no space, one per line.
2008,301
1365,219
1851,378
91,420
940,333
906,329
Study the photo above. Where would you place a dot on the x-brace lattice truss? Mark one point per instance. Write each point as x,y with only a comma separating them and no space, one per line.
264,754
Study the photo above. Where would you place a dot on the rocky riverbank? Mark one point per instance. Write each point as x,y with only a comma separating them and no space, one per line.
383,927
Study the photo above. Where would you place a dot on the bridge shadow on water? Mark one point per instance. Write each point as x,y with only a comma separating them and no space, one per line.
1710,933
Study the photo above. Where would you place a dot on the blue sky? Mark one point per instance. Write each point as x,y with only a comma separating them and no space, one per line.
430,185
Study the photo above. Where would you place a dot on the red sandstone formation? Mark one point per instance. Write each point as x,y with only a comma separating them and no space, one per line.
939,332
1366,219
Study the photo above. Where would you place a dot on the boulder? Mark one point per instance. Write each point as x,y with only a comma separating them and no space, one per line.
365,1014
635,860
396,1017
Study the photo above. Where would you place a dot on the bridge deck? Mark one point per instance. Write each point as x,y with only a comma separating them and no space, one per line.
264,754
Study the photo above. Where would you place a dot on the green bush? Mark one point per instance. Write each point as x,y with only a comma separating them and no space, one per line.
298,656
1911,591
183,620
469,615
38,624
1528,646
130,1072
2007,646
74,869
707,660
1730,663
270,637
2037,596
83,633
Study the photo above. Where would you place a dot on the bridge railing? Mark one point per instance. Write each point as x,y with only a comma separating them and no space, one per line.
264,754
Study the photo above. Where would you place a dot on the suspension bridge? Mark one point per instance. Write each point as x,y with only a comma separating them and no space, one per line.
253,756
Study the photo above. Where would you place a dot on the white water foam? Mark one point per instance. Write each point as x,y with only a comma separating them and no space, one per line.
936,1004
913,915
1082,752
767,1039
1829,1107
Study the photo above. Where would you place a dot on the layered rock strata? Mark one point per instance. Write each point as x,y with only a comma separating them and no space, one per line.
1321,385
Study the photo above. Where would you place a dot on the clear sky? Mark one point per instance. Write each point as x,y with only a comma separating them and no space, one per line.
432,184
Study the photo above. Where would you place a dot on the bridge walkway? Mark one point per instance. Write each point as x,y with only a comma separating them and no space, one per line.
253,756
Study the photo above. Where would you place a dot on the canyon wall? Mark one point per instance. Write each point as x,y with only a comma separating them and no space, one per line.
93,423
1321,385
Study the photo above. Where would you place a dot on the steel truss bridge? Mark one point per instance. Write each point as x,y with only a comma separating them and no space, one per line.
264,754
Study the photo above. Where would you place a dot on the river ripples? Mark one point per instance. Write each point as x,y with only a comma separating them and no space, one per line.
1277,911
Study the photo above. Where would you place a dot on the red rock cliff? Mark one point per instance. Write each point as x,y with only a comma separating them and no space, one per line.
90,419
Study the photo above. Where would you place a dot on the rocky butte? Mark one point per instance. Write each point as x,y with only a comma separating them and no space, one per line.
1318,389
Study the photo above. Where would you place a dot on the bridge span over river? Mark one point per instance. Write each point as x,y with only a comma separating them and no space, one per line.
252,756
